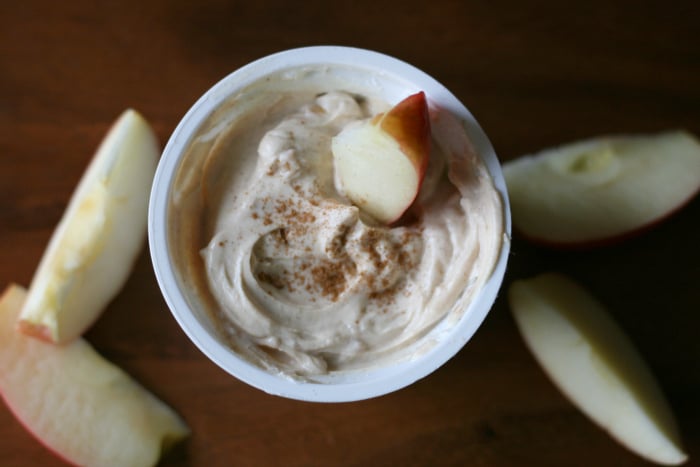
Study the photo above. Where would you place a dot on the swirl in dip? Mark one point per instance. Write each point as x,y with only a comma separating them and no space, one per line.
299,280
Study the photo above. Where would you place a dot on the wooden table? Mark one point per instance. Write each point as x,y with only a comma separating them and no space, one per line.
534,77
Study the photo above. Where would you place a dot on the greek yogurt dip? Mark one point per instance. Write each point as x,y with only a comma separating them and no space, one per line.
300,281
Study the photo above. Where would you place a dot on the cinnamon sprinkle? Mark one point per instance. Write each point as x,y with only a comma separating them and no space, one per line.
330,277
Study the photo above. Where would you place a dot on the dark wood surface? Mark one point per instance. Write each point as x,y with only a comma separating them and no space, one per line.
534,76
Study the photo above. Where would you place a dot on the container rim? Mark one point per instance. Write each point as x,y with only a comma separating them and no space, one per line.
373,382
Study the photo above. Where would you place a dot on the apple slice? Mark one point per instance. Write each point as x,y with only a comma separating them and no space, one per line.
96,243
78,404
380,163
594,364
600,190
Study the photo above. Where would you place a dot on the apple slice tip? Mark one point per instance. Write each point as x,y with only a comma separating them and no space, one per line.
38,331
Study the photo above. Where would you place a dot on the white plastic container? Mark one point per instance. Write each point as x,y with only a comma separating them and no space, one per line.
393,79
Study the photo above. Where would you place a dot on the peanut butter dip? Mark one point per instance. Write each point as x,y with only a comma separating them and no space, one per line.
297,279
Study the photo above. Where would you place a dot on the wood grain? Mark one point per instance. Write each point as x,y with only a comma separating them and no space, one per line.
534,76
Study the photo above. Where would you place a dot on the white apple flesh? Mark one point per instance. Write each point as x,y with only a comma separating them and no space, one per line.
595,365
99,237
604,189
380,163
78,404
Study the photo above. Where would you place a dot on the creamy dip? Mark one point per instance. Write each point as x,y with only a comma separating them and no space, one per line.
298,279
